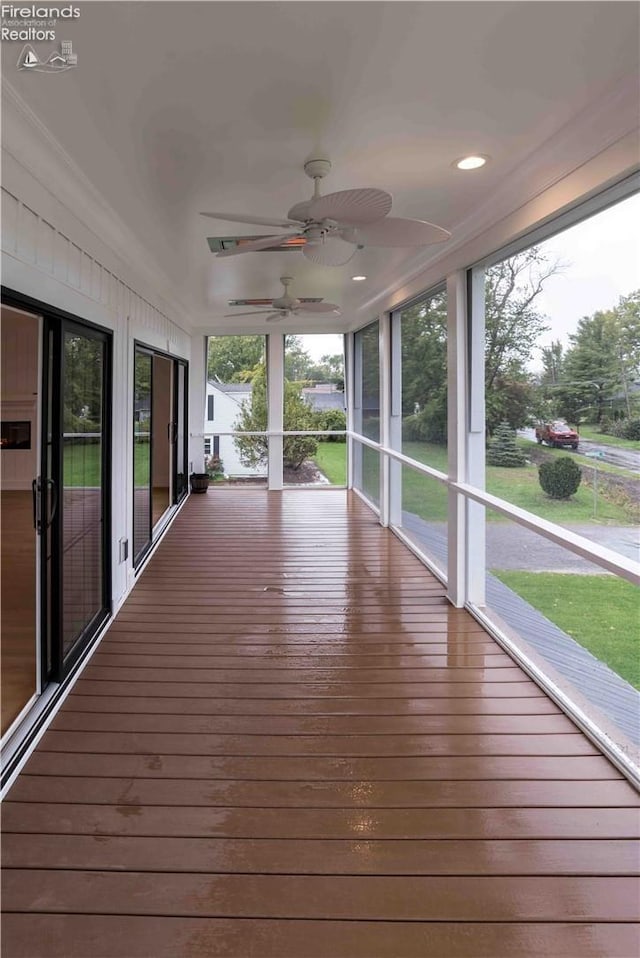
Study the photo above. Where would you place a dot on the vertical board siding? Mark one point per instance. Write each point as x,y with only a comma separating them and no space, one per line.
290,745
10,209
36,241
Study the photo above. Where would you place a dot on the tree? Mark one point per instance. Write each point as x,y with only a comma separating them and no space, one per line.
502,450
512,329
298,416
82,388
230,358
628,345
591,367
330,369
552,364
602,362
297,361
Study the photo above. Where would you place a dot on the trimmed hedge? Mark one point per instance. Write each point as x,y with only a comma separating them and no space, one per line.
560,478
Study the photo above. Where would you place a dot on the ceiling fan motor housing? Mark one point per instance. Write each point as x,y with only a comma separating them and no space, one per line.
317,167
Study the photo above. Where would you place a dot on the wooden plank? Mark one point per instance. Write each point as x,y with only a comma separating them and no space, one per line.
341,897
569,857
532,705
409,727
343,746
369,794
110,936
445,768
418,663
351,677
321,823
268,690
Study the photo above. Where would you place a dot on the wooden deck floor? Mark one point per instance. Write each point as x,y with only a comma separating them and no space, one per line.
289,745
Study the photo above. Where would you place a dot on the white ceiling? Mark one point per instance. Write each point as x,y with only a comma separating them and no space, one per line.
180,107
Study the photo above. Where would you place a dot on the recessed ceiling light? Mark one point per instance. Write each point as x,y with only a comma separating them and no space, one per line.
358,279
471,162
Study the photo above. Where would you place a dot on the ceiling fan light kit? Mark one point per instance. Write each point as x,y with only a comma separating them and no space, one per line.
331,229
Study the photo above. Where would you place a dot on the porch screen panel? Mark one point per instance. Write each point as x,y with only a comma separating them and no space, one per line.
367,411
419,427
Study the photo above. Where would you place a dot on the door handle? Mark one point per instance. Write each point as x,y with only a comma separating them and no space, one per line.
53,486
36,492
172,431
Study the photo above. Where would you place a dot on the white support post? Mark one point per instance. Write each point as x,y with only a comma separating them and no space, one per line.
395,421
356,411
384,352
197,401
348,386
275,406
456,434
476,443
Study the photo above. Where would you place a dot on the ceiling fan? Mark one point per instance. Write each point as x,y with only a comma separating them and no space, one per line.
330,229
285,305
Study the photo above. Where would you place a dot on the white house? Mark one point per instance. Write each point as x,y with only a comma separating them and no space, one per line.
223,406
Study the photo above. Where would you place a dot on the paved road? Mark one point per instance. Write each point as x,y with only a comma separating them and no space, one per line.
510,546
625,458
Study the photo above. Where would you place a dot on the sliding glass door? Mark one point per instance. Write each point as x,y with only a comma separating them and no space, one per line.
159,442
72,492
82,503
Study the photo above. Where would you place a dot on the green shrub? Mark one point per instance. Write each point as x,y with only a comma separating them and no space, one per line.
428,425
631,429
332,419
560,477
502,450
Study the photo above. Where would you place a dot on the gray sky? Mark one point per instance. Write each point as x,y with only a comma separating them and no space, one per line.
603,257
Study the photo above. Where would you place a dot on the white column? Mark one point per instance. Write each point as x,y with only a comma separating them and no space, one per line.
384,349
275,404
356,411
197,401
476,443
456,434
395,421
349,393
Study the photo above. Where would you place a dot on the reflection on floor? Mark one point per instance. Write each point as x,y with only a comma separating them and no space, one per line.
18,557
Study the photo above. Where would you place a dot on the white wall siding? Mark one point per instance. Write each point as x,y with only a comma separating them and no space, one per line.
49,255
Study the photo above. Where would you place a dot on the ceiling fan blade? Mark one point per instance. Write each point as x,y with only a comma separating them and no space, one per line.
352,207
397,231
276,317
318,308
252,220
254,312
333,252
263,243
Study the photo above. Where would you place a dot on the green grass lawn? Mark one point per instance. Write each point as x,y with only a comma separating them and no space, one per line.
82,464
600,612
427,498
591,433
331,459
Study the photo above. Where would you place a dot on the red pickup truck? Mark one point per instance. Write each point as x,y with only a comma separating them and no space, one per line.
557,433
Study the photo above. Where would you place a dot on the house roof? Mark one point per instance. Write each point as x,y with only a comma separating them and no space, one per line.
321,401
245,388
